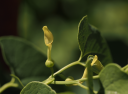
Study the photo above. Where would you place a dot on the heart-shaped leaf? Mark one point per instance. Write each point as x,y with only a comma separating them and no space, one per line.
114,80
91,42
36,87
24,59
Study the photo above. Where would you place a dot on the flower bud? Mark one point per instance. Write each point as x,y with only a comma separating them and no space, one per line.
49,63
48,37
70,78
96,65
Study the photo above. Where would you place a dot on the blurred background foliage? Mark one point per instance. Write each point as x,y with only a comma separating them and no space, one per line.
62,18
25,18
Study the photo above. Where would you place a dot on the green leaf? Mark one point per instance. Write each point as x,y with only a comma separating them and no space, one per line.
91,42
101,90
29,79
36,87
89,76
24,59
114,80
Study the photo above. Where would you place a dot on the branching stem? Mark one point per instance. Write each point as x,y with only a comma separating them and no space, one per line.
68,66
74,81
64,68
85,87
125,67
9,84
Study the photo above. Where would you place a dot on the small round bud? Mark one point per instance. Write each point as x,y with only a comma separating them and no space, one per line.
70,78
49,63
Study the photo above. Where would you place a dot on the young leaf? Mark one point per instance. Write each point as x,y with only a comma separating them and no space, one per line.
114,80
24,59
91,42
36,87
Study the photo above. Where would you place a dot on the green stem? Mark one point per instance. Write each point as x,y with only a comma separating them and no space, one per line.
68,66
52,71
17,79
84,79
49,52
49,57
48,81
9,84
82,64
64,68
80,57
74,81
79,84
125,67
65,82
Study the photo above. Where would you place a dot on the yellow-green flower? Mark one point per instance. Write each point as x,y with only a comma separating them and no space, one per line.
48,37
96,65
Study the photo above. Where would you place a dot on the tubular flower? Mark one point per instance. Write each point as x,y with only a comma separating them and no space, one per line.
96,65
48,37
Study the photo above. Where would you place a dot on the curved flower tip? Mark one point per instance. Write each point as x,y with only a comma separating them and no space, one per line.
94,60
97,63
48,37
